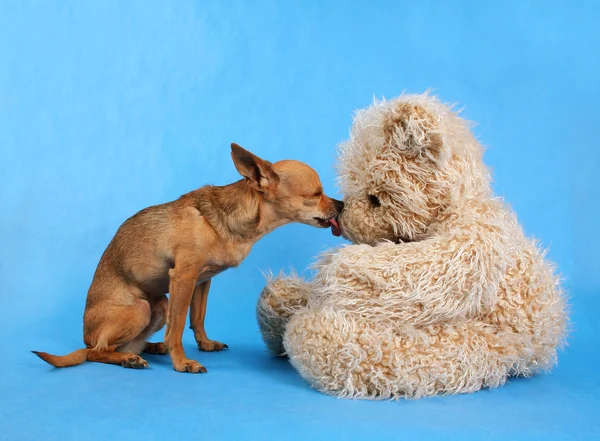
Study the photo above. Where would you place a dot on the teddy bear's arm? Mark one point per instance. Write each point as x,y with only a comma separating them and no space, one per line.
421,282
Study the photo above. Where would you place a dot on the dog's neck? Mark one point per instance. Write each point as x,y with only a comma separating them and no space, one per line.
237,211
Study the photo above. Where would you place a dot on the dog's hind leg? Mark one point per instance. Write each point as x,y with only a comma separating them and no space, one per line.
114,329
125,359
158,318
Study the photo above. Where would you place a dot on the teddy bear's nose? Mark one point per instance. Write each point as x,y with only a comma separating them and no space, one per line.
339,205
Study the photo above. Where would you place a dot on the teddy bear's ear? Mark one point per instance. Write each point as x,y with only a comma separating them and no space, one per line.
412,129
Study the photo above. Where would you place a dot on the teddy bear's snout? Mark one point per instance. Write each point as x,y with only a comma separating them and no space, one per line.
339,205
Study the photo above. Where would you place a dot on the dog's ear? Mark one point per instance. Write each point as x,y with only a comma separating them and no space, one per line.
258,172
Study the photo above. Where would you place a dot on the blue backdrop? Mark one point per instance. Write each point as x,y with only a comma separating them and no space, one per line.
107,107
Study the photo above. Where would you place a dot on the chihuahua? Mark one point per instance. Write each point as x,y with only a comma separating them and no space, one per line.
177,248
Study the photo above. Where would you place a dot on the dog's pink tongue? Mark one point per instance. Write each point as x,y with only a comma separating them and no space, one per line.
335,227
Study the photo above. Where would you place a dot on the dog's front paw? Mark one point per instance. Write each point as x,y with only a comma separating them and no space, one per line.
211,345
134,362
191,366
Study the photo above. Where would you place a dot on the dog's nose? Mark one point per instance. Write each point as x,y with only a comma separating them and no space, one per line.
339,205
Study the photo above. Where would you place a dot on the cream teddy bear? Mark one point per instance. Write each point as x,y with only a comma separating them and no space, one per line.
440,293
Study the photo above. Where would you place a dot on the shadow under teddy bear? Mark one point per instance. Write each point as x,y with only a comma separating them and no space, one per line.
440,293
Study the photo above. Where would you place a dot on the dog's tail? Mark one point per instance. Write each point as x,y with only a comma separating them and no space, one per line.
59,361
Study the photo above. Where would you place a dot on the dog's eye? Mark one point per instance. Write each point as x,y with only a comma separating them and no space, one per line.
374,200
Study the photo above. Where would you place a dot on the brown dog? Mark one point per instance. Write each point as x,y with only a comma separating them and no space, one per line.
177,248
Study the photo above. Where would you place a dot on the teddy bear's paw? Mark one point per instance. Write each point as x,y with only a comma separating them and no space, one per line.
336,353
279,300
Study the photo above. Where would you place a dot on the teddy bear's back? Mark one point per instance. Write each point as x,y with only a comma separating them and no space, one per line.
530,304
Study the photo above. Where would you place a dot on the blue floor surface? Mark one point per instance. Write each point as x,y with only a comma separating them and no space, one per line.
249,395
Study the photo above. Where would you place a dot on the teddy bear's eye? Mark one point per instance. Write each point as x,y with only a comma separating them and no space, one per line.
374,200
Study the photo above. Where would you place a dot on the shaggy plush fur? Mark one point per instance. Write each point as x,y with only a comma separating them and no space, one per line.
440,293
